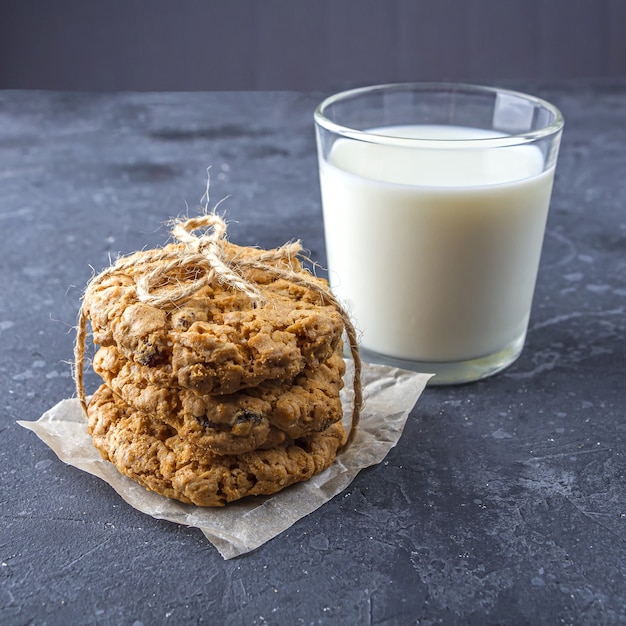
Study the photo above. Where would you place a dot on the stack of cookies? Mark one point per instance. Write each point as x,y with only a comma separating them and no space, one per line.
213,397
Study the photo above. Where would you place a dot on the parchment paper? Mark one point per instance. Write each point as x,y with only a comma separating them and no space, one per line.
240,527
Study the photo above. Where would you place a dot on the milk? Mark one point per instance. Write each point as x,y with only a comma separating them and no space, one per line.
435,250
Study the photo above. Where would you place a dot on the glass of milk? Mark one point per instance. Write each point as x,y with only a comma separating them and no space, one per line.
435,199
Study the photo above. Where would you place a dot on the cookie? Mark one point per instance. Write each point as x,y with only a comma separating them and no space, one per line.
217,341
154,455
260,416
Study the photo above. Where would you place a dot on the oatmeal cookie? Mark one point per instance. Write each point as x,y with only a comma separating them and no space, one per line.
216,341
251,418
153,454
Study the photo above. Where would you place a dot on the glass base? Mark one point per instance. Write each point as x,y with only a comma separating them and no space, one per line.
455,373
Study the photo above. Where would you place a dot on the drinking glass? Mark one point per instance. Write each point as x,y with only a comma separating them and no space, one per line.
435,198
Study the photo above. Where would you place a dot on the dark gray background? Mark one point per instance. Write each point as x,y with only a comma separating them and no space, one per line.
503,504
303,44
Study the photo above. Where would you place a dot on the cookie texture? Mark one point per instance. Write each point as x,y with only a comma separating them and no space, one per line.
222,367
261,416
217,341
152,453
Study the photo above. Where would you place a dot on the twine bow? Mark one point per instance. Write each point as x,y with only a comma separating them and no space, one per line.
207,252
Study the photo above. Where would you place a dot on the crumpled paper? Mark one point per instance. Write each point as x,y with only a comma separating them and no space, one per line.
240,527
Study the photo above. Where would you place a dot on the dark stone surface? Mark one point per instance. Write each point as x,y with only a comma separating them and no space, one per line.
504,502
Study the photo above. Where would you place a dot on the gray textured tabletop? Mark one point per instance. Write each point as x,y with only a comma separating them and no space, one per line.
504,501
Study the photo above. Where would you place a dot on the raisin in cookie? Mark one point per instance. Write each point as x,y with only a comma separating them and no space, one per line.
151,453
251,418
217,341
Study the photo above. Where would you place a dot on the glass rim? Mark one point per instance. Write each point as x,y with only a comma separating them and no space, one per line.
526,137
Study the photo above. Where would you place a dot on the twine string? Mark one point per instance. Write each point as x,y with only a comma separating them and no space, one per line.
207,252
